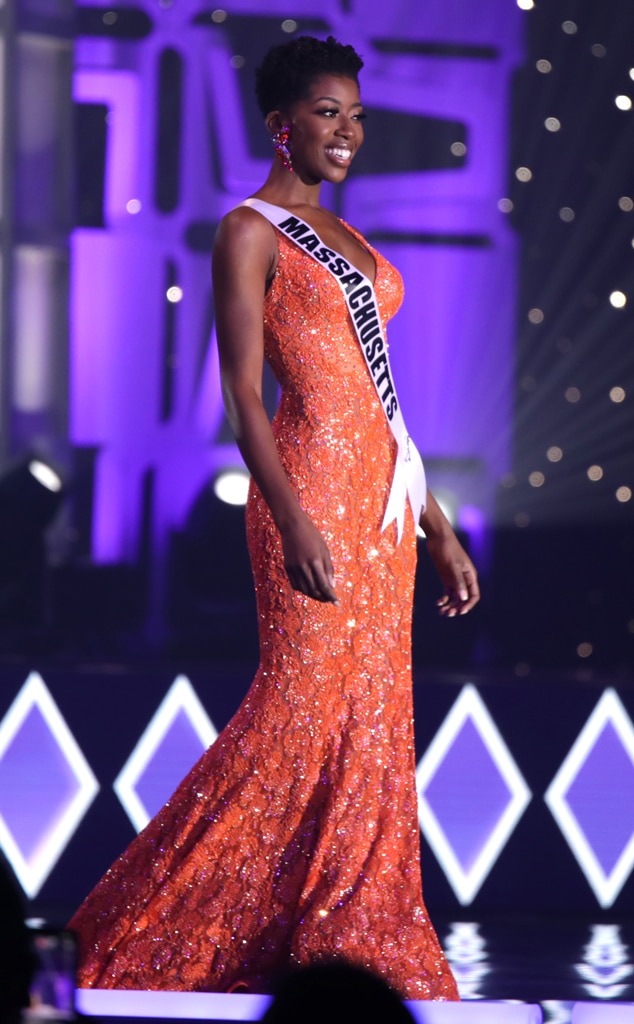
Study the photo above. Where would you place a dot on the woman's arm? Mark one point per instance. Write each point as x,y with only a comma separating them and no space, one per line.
456,570
244,257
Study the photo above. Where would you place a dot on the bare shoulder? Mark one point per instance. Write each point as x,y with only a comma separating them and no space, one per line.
245,230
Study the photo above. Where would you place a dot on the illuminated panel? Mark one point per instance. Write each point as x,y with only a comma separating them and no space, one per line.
470,794
602,1013
170,1005
466,952
592,798
178,733
46,785
605,969
235,1006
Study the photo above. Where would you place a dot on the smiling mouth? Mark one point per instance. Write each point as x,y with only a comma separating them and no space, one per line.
339,153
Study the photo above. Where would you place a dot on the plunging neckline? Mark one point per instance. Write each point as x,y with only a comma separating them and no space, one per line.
364,245
347,227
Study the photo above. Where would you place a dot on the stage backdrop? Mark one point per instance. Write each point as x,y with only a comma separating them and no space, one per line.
170,139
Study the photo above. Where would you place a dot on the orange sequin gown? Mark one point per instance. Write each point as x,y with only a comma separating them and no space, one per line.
295,836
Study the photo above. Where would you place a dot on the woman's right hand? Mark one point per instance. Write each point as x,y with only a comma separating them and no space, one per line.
307,561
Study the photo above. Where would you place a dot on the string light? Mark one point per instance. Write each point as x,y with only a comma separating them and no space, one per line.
544,66
594,473
523,174
624,494
569,27
572,395
552,124
617,394
623,102
618,299
554,453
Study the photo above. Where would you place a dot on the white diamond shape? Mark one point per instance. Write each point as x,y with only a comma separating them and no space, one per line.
606,887
181,696
466,883
33,871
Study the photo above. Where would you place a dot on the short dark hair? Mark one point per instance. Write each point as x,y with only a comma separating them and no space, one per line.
288,70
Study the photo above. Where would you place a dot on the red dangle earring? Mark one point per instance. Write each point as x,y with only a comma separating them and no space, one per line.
280,144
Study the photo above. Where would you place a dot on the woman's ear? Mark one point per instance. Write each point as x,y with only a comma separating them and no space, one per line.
275,121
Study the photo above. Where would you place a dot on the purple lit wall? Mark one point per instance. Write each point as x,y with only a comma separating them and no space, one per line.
144,383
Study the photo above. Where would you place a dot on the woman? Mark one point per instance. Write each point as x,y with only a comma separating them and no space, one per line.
295,837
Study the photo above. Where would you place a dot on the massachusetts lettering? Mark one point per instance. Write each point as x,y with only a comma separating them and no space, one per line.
361,302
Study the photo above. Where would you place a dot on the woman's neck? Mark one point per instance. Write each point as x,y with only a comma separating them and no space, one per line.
285,188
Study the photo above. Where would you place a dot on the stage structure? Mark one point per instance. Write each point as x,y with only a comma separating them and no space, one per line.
525,788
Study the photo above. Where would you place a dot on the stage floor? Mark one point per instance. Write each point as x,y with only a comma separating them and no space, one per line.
510,970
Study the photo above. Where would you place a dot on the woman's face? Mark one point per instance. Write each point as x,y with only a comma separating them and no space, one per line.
326,129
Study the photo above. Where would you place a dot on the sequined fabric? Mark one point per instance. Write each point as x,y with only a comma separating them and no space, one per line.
295,837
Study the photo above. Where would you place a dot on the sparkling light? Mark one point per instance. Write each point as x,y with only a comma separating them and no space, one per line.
521,519
624,494
623,102
219,16
554,454
506,205
572,395
458,148
133,206
584,650
109,18
526,5
626,203
552,124
598,50
174,294
567,214
544,66
536,315
537,479
289,25
595,473
232,486
237,61
618,299
617,394
569,27
523,174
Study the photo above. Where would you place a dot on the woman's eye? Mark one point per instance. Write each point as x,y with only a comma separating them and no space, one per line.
359,117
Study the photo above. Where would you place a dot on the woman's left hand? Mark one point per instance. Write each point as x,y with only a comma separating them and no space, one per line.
457,574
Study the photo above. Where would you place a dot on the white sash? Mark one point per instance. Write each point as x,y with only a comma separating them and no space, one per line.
409,474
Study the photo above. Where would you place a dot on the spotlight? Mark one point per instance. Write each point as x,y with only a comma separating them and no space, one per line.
30,495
